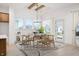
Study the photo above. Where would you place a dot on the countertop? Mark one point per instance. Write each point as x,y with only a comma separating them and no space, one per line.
3,36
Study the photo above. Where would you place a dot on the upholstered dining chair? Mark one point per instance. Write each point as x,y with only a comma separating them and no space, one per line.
17,39
46,41
25,40
35,39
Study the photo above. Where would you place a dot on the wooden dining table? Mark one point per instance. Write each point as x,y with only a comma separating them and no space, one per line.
41,38
37,38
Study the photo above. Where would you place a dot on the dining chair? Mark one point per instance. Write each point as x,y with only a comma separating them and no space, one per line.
17,39
36,38
46,41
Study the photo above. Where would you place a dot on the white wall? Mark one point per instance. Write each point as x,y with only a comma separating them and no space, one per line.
4,9
68,28
12,26
4,27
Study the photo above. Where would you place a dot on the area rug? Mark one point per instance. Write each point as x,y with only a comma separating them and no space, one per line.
37,51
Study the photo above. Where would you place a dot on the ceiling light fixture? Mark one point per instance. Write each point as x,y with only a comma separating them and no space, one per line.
32,5
37,5
40,7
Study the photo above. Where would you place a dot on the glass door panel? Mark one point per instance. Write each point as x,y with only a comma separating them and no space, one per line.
59,30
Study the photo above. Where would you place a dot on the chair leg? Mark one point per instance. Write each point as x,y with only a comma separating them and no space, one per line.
30,43
54,44
37,44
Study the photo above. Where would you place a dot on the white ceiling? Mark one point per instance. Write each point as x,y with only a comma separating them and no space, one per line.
55,6
52,6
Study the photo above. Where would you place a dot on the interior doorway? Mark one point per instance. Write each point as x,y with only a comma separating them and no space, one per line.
76,28
59,30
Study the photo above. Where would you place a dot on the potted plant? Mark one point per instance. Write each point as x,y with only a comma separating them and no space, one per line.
41,29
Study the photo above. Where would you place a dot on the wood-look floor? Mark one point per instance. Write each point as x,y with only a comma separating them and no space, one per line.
12,50
67,50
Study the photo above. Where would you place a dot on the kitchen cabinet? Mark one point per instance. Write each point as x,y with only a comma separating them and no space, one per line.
3,45
4,17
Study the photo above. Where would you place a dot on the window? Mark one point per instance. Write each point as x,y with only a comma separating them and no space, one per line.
28,24
77,28
46,25
36,25
19,23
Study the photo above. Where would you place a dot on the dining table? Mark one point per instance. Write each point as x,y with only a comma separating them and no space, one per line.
39,36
